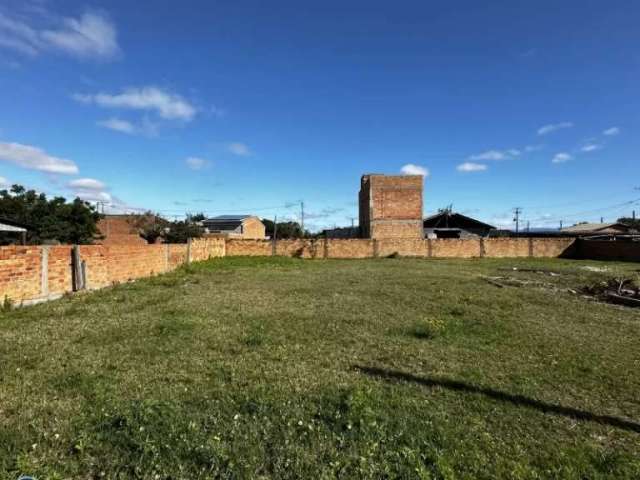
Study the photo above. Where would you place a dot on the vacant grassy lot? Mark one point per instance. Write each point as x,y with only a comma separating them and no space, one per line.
283,368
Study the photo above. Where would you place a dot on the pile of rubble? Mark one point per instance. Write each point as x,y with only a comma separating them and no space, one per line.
622,291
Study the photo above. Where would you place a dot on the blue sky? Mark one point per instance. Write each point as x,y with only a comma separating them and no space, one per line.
251,107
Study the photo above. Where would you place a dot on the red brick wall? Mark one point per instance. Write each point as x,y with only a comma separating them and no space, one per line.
20,272
406,247
21,275
454,248
207,247
606,250
351,248
236,247
118,230
391,206
59,271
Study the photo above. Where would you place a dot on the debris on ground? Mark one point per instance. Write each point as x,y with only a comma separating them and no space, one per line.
595,269
622,291
543,271
502,282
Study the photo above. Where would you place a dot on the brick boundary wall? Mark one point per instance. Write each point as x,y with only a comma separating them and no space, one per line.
33,274
625,251
30,274
424,248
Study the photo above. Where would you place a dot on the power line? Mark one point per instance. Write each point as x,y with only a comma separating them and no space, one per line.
587,212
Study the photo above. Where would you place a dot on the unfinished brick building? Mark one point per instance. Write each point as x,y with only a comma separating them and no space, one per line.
391,206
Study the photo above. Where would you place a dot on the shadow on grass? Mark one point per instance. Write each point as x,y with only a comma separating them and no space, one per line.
519,400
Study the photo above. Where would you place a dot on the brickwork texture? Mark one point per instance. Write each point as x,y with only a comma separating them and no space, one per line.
34,273
390,206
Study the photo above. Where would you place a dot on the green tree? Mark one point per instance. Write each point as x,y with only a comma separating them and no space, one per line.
149,225
285,229
72,222
181,231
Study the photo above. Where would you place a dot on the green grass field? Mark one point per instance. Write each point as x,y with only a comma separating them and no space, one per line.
286,368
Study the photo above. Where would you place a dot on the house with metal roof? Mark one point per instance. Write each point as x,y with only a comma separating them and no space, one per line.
235,226
448,224
589,229
14,229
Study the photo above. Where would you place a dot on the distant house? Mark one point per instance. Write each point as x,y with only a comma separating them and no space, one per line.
235,226
589,229
448,224
13,230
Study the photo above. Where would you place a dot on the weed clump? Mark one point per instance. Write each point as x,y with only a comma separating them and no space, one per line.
7,304
427,328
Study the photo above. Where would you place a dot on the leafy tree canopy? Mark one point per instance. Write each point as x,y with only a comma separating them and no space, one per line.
46,219
181,231
285,229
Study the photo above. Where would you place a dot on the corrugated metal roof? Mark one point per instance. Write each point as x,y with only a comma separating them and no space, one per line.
447,219
594,227
227,218
10,228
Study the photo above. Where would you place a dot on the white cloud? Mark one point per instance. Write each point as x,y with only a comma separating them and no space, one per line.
93,196
144,127
18,36
554,127
533,148
561,158
34,158
467,167
489,155
590,147
611,132
197,163
167,105
239,149
92,35
90,190
4,183
411,169
118,125
514,152
86,184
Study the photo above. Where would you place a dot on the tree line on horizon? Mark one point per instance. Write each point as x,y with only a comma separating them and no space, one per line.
57,220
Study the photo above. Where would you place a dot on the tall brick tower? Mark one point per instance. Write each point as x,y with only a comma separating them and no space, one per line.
391,206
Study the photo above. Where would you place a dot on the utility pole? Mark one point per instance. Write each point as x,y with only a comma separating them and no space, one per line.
275,228
517,211
527,226
560,224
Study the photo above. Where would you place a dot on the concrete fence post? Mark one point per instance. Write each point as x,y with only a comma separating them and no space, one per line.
44,271
189,250
166,257
77,271
482,250
325,248
530,247
429,248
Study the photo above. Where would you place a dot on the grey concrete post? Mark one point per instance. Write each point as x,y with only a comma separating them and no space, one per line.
44,271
